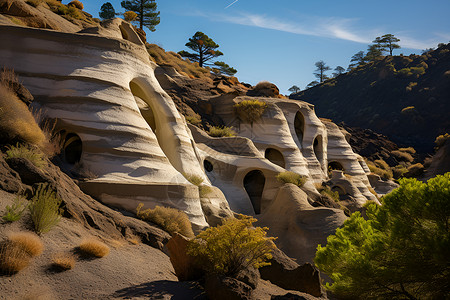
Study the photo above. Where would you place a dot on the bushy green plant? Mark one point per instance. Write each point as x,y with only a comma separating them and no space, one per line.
217,131
170,219
23,151
291,177
327,192
16,210
400,251
44,208
231,247
381,168
194,120
250,110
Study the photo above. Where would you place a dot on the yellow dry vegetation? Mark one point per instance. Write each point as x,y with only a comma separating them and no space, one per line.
172,59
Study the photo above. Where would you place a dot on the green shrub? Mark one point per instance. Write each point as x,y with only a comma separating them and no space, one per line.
170,219
399,171
23,151
327,192
234,246
77,4
44,208
194,120
402,156
250,110
291,177
381,168
217,131
16,210
399,252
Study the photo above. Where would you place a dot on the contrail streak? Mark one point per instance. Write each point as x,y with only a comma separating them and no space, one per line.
231,3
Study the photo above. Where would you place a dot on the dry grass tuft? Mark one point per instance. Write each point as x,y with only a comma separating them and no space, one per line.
250,110
16,121
63,261
94,248
28,241
216,131
170,219
13,258
402,156
184,67
291,177
77,4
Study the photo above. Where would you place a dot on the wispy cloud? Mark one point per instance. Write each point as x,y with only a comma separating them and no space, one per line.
231,3
339,28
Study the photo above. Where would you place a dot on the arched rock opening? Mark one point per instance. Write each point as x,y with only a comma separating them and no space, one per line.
338,189
318,148
72,148
334,165
299,125
275,156
208,166
142,102
254,186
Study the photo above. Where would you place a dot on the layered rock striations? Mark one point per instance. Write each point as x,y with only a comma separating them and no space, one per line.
119,125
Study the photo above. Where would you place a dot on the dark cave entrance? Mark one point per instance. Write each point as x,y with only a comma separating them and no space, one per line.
254,186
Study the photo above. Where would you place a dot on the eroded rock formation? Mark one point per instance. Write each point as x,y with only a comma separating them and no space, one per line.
119,125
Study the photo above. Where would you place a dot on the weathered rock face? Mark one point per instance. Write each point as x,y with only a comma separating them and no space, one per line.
112,113
120,126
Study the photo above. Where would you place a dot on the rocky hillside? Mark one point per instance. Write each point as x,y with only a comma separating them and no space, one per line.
403,97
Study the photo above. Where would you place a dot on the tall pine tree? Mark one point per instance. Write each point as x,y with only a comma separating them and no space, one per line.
146,11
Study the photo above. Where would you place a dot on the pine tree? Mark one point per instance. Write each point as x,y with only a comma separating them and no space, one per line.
107,11
294,89
387,42
339,70
320,71
146,11
204,47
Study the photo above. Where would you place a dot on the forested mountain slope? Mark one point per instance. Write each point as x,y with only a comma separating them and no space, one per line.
406,98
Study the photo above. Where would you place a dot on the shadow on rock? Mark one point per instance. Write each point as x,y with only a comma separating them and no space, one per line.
161,288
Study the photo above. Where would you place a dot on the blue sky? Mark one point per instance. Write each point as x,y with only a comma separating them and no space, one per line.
279,41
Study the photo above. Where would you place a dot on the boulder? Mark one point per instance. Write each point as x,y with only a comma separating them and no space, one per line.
249,276
299,226
183,264
289,275
9,179
226,288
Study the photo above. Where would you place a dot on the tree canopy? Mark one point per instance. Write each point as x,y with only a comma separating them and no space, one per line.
338,71
294,89
387,42
107,11
146,12
320,71
204,48
400,251
223,68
